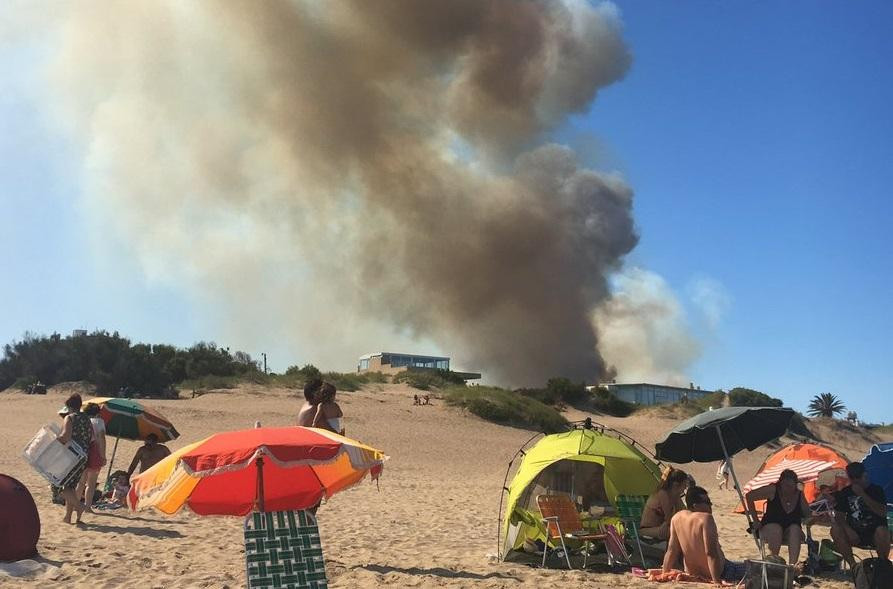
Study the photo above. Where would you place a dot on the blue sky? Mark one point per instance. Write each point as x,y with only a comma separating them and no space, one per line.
757,136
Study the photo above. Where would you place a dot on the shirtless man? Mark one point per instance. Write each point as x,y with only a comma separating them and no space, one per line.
694,535
148,455
308,409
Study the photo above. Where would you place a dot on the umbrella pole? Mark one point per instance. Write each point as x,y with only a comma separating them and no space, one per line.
260,483
108,472
747,514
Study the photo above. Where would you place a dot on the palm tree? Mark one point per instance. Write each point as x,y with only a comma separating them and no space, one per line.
825,405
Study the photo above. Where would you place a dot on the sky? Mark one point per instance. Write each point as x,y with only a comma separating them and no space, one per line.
757,138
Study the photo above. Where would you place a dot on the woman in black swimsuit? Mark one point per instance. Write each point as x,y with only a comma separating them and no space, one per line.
786,508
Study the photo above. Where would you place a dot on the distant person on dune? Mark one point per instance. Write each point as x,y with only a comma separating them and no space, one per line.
328,413
663,504
148,455
308,409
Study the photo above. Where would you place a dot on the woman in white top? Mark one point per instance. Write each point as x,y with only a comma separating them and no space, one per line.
328,414
95,457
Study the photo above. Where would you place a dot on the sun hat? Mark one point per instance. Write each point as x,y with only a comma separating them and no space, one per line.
65,410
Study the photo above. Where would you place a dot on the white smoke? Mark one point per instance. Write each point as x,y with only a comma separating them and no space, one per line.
643,331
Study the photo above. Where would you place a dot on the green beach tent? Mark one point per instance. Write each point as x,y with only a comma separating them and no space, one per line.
589,465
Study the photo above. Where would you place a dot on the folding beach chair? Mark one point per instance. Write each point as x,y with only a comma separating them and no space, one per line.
629,510
563,522
283,550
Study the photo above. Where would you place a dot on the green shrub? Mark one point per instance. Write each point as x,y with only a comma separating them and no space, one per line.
714,400
506,408
24,382
544,396
741,397
427,379
567,391
606,402
306,372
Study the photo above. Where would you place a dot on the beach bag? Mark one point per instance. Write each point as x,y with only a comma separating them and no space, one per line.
873,573
778,575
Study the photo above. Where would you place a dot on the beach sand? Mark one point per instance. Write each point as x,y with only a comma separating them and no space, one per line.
432,523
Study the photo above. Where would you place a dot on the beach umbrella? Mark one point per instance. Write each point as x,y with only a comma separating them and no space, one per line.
131,420
261,469
722,433
879,464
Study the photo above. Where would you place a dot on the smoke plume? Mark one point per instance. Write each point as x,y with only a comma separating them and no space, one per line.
357,169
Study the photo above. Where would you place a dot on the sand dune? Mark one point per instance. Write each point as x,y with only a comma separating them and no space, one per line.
433,523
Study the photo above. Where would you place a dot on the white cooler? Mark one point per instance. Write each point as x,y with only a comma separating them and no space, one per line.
50,457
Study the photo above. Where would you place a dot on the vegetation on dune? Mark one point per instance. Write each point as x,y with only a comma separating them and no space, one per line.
742,397
825,405
507,408
112,364
425,380
607,402
295,377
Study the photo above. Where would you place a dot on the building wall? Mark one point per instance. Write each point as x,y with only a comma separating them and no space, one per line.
650,394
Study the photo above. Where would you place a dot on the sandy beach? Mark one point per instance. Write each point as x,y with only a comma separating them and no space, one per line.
432,522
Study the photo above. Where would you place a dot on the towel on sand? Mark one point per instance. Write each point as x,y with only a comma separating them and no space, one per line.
677,576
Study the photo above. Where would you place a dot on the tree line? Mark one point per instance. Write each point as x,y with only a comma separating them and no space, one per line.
113,364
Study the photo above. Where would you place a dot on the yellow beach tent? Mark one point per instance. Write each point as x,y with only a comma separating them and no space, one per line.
587,464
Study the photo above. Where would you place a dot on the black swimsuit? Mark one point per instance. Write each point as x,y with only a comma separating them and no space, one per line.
775,513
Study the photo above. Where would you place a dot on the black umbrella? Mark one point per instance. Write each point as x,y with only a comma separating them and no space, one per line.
718,434
722,433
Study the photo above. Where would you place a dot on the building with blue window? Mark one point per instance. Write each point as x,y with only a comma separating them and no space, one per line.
392,363
654,394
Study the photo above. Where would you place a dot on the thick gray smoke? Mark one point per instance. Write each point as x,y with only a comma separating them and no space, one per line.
349,163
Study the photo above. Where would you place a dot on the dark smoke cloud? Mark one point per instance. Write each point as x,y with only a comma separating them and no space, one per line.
391,153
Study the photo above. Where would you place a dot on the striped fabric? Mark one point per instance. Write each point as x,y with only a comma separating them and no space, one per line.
283,550
807,470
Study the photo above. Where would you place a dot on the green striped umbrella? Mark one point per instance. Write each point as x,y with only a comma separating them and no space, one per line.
131,420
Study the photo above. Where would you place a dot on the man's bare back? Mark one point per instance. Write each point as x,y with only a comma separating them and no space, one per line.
148,456
696,536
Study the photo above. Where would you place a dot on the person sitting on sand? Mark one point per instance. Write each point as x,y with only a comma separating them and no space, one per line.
695,537
120,488
328,413
308,409
786,508
663,504
860,517
148,455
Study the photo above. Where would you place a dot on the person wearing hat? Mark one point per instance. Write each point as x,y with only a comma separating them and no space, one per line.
76,428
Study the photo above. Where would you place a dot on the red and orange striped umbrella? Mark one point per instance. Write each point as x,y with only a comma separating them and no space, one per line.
265,469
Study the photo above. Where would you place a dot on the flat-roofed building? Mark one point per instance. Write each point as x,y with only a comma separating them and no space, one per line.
654,394
393,362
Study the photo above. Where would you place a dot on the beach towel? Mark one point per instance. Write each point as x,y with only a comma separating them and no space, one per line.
676,576
283,550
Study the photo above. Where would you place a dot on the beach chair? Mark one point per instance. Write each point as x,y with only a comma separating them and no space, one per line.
283,550
629,510
562,522
55,461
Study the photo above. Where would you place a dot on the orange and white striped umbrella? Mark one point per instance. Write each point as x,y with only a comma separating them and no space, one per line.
264,469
